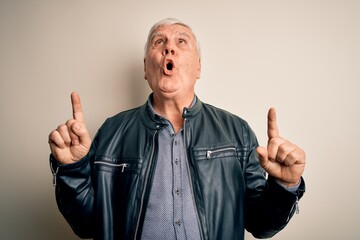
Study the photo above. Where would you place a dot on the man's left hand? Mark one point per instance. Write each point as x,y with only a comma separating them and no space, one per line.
281,159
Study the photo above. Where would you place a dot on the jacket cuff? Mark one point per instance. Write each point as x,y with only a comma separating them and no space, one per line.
57,168
55,163
278,188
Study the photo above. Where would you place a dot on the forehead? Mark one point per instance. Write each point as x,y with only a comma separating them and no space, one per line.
174,29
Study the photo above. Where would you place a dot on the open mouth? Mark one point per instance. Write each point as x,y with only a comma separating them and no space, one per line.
169,67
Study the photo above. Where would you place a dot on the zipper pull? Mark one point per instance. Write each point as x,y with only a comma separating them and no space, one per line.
54,173
123,165
208,154
54,179
297,209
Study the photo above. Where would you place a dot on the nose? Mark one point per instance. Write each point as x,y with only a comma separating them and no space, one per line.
169,49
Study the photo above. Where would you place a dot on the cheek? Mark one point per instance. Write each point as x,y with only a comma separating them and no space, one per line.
150,67
193,65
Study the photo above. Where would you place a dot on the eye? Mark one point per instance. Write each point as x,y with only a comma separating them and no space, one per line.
159,41
182,41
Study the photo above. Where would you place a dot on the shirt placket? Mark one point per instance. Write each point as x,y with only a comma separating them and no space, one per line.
177,165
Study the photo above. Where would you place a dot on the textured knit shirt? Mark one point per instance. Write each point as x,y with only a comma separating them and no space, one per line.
170,213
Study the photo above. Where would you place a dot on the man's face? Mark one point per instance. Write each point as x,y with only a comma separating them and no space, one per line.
172,64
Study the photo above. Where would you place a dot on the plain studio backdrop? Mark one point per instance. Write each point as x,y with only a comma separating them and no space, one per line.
302,57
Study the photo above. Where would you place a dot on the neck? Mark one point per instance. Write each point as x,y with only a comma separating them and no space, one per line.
172,109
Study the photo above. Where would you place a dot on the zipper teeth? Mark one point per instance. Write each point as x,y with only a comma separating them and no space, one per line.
111,164
297,205
294,209
145,186
190,182
117,165
209,152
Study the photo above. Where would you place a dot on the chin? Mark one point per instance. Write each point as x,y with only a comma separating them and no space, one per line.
168,93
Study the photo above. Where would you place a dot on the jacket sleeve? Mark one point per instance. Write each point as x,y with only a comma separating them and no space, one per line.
74,194
269,206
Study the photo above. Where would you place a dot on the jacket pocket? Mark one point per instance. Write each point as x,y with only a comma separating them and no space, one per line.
219,152
116,184
118,166
221,159
219,171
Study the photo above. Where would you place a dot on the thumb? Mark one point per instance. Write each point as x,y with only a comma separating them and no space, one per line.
82,134
263,156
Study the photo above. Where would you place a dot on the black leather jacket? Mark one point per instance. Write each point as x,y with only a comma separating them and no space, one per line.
105,195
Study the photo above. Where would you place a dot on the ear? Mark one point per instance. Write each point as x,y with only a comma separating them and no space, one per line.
198,74
145,69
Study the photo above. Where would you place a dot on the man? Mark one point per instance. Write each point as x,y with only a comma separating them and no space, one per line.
174,168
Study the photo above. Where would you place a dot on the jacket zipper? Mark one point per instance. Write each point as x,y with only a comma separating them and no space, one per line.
146,183
122,165
295,208
54,172
209,152
191,183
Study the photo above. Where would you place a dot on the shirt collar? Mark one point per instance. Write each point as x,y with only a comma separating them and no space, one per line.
156,117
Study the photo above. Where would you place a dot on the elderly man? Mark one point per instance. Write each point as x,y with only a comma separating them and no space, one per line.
174,168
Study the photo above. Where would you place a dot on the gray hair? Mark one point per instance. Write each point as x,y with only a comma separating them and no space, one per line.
168,22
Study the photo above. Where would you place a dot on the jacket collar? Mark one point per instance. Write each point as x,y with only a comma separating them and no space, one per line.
151,120
193,110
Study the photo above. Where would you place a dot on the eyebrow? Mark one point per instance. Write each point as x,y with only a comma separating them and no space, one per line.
185,34
155,34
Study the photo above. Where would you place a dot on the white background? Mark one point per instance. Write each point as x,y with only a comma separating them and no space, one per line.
302,57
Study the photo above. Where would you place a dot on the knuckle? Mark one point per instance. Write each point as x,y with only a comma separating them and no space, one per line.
69,122
52,134
61,128
282,149
299,155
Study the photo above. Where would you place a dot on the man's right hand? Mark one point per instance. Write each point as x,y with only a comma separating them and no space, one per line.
71,141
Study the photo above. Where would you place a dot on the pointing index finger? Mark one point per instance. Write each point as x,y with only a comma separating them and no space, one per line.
76,107
273,130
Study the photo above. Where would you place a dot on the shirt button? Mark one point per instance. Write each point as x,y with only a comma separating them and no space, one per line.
177,191
175,142
178,222
177,162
